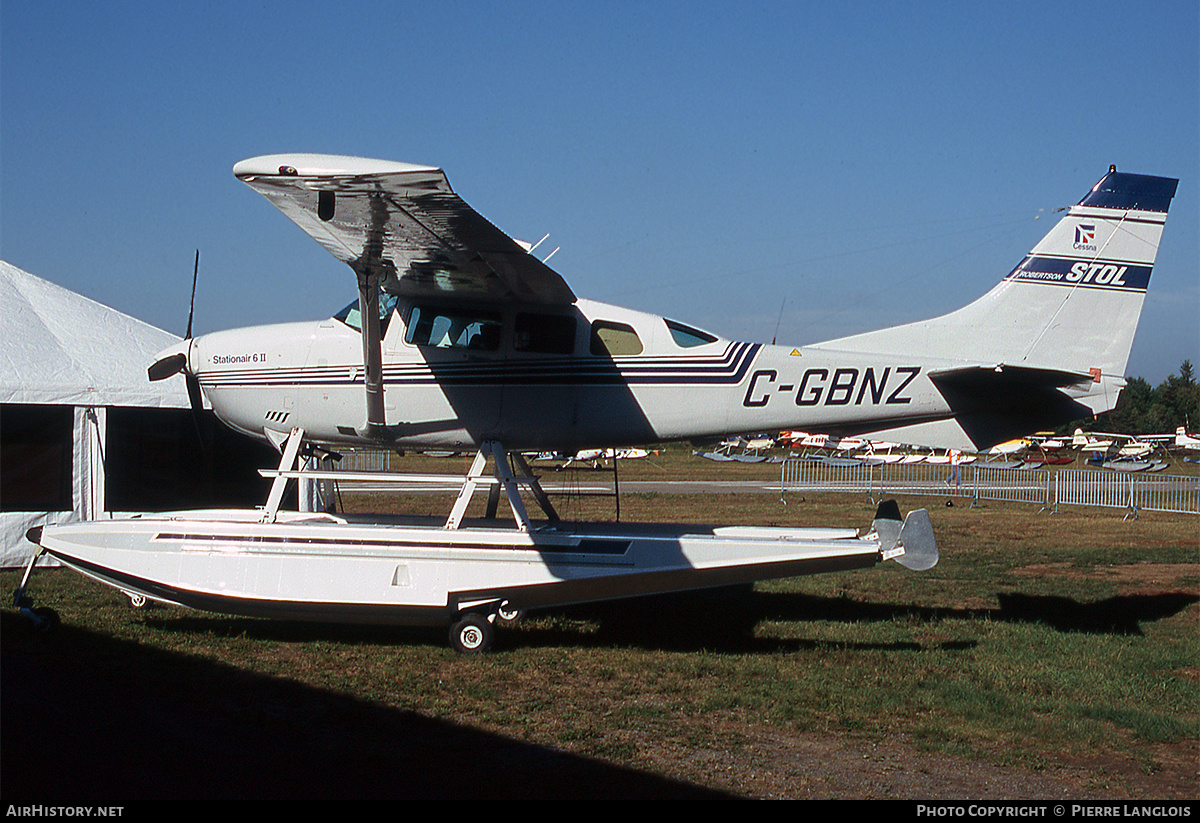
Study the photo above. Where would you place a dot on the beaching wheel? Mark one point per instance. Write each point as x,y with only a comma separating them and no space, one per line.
472,634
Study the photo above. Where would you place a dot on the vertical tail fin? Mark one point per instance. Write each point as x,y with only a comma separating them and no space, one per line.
1085,283
1071,305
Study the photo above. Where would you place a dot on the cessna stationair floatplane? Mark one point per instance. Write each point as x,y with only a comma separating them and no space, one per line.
461,338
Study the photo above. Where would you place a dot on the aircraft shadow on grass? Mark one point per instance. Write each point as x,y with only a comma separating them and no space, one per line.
724,620
1122,614
91,718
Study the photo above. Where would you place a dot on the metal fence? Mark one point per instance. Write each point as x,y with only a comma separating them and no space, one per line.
365,460
815,475
975,481
1132,492
1049,489
1080,487
942,480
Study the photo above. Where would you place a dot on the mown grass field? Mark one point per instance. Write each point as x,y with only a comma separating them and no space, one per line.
1045,656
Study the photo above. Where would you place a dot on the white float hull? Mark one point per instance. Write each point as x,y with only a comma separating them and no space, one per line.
334,569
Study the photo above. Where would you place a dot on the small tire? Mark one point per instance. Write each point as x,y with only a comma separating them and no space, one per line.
473,634
507,616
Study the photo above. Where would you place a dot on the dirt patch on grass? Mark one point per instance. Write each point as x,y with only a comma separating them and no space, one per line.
778,765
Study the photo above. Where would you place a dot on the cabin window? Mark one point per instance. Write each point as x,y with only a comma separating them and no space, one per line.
454,329
544,333
352,317
686,337
614,339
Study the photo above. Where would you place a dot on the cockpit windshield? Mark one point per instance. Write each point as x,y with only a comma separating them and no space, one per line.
352,318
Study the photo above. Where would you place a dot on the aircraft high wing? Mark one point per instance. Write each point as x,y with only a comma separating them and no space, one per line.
404,225
401,229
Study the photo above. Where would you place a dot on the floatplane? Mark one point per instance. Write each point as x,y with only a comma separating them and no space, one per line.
462,339
1124,452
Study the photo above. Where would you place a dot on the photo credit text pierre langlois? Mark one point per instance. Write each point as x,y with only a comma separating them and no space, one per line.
1059,810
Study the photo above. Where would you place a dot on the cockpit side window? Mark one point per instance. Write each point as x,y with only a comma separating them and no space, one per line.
686,337
352,318
454,328
614,339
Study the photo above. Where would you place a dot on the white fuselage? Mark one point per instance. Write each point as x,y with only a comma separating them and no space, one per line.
537,379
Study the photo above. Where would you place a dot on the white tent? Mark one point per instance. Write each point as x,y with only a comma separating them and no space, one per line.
85,435
58,347
65,358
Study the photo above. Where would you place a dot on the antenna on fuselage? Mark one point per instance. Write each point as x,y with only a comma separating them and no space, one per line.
777,322
530,248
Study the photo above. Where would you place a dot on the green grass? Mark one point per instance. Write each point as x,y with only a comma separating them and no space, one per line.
1037,638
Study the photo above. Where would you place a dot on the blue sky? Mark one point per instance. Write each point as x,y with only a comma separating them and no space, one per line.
798,170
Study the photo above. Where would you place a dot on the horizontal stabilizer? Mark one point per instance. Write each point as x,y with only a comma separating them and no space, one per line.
994,404
1003,375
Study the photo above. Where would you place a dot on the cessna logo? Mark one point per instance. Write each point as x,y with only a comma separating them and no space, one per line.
841,387
1085,238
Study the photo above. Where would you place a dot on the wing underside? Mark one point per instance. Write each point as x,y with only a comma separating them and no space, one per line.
404,224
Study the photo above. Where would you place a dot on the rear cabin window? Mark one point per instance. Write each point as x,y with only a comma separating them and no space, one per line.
544,333
614,339
454,329
686,337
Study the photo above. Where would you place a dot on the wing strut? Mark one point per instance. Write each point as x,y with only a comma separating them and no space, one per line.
370,269
368,311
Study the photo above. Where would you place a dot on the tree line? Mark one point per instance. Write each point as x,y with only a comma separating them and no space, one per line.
1142,409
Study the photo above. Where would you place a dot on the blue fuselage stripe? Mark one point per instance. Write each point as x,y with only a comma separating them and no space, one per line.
728,370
